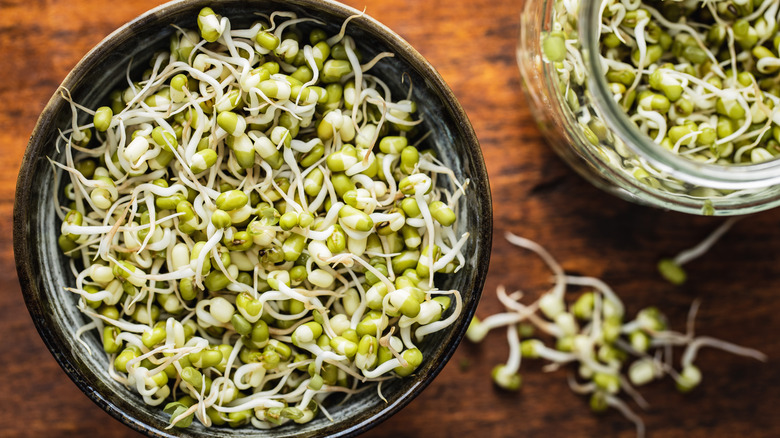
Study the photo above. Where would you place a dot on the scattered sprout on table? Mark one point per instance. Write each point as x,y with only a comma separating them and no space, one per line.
672,268
609,353
252,226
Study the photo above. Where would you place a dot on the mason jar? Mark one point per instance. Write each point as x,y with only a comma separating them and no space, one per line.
582,122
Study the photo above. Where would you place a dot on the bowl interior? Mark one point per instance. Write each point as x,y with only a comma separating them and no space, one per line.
44,271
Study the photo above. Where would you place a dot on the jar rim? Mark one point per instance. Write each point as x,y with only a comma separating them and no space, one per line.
734,177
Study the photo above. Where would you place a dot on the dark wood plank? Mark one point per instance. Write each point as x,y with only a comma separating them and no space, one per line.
472,44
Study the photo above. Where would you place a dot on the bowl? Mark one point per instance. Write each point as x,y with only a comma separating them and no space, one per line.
44,271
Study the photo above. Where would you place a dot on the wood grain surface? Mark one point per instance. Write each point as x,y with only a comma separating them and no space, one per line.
472,44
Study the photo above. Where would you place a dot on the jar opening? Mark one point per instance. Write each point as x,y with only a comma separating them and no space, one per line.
729,177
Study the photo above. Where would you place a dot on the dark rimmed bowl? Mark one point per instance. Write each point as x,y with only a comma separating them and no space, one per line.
44,271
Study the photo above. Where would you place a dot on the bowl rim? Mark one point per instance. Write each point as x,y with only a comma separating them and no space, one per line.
23,252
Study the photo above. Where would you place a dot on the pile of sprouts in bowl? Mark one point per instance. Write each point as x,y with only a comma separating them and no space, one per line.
255,224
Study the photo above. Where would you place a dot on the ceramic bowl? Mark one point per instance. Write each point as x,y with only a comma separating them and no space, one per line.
44,271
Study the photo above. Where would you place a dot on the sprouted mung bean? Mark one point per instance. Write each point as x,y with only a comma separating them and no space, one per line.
611,355
672,268
698,78
251,227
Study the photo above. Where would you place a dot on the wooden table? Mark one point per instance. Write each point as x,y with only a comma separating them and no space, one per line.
472,44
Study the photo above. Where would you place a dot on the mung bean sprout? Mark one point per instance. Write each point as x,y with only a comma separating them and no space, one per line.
698,78
251,228
610,353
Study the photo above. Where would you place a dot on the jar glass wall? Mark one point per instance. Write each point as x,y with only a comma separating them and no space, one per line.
577,112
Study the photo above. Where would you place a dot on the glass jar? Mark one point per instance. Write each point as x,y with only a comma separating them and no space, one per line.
577,113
